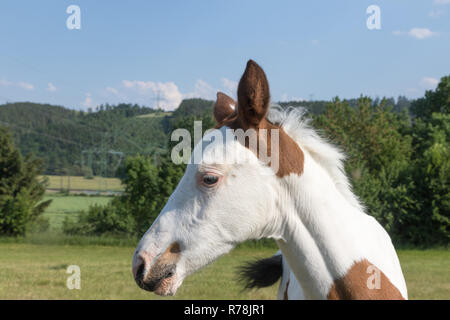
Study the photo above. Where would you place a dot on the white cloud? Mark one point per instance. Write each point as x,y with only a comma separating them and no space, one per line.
418,33
112,90
20,84
25,85
411,91
286,98
169,95
87,101
429,82
438,2
421,33
203,90
51,87
5,83
230,87
436,13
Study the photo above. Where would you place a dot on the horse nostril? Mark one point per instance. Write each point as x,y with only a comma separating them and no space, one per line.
169,274
140,273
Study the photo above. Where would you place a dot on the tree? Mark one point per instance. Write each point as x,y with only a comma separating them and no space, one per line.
378,155
429,224
433,101
21,192
148,188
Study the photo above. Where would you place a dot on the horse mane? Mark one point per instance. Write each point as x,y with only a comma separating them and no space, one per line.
329,157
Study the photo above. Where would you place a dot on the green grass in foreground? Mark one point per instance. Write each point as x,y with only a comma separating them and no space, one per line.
39,272
30,271
63,206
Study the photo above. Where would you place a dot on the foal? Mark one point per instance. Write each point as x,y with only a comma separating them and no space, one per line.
296,193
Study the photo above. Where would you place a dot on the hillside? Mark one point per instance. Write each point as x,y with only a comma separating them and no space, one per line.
95,143
80,143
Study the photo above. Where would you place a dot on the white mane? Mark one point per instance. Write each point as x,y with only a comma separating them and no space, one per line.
330,157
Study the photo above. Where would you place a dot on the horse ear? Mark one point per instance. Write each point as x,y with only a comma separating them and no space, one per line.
253,95
224,107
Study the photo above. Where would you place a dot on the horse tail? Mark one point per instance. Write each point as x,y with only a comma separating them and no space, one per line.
261,273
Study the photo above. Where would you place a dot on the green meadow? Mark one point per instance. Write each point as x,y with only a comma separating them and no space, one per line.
35,267
38,271
64,206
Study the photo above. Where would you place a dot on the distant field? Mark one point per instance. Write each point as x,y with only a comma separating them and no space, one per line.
154,115
63,206
39,272
80,183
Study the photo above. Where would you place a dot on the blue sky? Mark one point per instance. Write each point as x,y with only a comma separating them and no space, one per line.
128,51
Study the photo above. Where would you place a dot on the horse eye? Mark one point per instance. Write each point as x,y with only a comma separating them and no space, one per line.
210,180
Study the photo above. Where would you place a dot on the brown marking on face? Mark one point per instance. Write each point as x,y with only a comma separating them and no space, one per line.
285,297
252,106
354,285
166,261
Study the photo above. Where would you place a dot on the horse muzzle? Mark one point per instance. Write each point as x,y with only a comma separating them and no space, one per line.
159,274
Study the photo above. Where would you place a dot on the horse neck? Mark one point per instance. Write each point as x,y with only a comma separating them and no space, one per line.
318,231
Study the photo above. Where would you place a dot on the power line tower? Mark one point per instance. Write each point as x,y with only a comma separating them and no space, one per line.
157,98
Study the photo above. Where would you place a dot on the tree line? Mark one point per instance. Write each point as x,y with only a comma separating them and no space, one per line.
398,163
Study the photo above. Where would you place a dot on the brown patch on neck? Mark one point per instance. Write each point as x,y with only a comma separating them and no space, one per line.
355,285
291,157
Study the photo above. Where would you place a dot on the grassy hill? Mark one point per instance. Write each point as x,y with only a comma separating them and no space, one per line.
91,143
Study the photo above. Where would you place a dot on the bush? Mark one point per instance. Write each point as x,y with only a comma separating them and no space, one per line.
40,225
110,219
148,188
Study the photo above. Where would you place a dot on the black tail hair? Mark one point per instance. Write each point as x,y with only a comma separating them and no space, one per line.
261,273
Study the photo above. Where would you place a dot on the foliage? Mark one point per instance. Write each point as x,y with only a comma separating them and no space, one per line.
72,141
148,188
430,223
378,155
20,190
400,167
433,101
110,219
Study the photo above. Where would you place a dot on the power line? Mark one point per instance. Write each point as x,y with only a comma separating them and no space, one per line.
42,134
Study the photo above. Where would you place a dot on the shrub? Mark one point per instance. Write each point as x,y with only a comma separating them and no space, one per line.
148,188
109,219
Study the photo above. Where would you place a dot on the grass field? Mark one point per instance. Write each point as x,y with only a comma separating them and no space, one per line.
154,115
30,271
81,183
35,267
39,272
63,206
